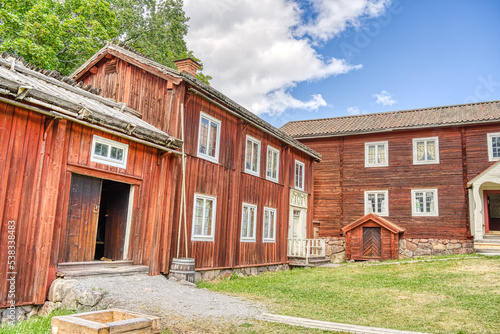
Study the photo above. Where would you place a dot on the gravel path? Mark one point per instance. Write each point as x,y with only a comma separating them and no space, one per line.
172,301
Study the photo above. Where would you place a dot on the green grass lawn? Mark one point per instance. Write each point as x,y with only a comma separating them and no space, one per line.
452,296
39,325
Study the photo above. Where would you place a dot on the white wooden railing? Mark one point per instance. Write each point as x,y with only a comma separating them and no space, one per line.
306,248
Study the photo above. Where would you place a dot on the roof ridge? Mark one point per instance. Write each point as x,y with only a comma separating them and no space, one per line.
391,112
50,73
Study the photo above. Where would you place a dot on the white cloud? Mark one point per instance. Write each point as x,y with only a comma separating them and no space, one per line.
258,51
384,98
354,110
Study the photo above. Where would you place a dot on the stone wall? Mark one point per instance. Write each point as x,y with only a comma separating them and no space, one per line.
409,248
208,275
335,249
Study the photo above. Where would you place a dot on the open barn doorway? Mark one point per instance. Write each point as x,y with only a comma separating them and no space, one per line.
97,220
492,221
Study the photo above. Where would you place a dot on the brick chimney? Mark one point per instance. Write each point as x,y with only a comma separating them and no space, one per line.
188,65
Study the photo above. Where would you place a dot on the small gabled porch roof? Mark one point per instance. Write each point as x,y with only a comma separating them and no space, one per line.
378,220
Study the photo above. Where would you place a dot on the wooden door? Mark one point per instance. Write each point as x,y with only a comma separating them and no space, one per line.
493,212
372,242
81,223
116,219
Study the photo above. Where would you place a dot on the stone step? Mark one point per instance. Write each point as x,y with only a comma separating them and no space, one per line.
100,268
489,236
488,251
297,261
483,243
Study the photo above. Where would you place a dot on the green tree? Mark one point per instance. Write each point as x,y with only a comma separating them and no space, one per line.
156,28
54,34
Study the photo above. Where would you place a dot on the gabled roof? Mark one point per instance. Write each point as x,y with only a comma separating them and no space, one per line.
377,219
60,98
133,57
473,113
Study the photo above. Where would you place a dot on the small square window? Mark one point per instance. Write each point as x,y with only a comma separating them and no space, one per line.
299,175
377,154
425,151
273,164
248,222
209,138
203,218
269,230
494,146
424,202
252,156
109,152
377,202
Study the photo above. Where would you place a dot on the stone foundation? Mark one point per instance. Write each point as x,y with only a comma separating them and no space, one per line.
209,275
335,249
409,248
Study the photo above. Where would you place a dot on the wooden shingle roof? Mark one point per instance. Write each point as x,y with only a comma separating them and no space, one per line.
474,113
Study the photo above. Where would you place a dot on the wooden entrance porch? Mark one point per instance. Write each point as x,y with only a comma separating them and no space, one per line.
306,252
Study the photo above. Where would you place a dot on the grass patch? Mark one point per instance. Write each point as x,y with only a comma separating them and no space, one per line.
39,325
453,296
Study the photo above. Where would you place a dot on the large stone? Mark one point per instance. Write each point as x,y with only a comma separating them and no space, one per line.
209,275
338,258
254,271
59,288
454,246
438,247
226,274
70,301
411,246
48,307
408,253
89,297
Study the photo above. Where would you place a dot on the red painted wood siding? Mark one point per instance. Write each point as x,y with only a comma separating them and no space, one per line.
341,179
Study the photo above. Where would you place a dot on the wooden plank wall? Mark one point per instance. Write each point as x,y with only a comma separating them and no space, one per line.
34,192
341,179
227,181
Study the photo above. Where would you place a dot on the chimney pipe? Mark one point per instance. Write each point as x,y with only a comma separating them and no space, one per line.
188,65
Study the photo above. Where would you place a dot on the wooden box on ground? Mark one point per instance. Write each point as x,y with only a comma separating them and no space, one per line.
106,322
372,238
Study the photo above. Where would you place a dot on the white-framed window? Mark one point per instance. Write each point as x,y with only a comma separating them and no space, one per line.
425,151
248,222
377,202
377,154
209,138
424,202
494,146
299,175
252,156
269,230
273,164
109,152
203,218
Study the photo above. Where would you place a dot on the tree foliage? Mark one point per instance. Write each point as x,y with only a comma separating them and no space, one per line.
156,28
55,34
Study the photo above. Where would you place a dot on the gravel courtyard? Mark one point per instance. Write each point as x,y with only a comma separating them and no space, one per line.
181,307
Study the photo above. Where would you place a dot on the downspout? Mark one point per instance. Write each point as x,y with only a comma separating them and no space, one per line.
182,211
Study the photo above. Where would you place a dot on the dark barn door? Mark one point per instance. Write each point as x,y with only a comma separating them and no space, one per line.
83,215
372,242
493,219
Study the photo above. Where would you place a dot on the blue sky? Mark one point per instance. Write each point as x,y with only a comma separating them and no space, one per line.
287,60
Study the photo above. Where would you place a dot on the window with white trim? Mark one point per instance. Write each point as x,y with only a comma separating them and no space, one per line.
377,202
269,234
424,202
494,146
109,152
252,156
273,164
209,138
377,154
203,217
248,222
425,150
299,175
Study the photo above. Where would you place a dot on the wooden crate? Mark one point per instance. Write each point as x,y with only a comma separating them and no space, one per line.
106,322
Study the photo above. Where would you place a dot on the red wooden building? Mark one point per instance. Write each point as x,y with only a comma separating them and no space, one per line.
86,176
430,171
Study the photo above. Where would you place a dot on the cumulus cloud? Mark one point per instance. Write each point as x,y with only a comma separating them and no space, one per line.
354,110
384,98
258,51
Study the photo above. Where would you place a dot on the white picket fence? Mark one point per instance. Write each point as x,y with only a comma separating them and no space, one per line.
306,248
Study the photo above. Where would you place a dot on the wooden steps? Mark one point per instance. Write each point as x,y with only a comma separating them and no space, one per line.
99,268
299,261
489,245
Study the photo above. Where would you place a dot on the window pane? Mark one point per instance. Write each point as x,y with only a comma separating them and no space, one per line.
419,202
429,202
420,151
248,159
495,145
371,203
255,156
272,223
207,228
371,154
381,154
380,203
116,153
198,218
251,222
269,163
244,222
266,224
212,143
431,150
101,149
204,135
275,165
